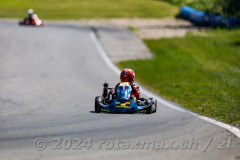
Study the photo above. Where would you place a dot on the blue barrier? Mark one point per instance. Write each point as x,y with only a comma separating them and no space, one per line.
203,18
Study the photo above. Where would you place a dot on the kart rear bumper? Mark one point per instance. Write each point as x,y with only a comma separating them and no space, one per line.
128,107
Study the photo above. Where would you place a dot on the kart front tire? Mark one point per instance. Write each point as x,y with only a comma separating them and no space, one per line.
98,100
149,108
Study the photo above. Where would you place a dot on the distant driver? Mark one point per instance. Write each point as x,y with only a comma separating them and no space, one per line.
30,18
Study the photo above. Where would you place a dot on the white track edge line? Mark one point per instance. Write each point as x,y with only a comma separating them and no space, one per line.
110,64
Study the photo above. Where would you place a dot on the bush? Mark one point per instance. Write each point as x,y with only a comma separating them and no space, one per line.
229,8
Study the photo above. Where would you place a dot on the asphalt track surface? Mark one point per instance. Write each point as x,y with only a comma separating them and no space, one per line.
49,78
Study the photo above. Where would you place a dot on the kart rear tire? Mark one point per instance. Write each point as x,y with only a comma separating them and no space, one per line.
155,104
155,107
98,100
149,108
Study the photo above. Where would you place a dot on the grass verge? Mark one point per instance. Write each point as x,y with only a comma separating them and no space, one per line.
79,9
201,73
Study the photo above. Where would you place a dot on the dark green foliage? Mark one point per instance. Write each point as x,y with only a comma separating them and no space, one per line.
230,8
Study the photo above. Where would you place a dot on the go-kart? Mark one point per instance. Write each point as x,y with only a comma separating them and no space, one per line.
122,102
35,21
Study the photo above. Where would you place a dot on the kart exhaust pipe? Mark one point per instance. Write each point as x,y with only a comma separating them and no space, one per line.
105,85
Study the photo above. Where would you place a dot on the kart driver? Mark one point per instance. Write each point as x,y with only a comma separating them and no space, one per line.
128,75
30,16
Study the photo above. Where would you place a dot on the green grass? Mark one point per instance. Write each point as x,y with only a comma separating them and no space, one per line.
201,73
79,9
204,5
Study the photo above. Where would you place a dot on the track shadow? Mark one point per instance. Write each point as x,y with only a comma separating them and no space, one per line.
111,112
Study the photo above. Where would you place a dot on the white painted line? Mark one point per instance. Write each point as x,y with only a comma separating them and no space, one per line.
160,100
103,54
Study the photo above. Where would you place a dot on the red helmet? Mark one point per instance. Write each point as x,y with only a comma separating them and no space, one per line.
127,75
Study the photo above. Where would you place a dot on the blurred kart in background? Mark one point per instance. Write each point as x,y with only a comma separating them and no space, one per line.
121,102
34,21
